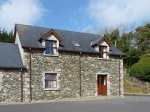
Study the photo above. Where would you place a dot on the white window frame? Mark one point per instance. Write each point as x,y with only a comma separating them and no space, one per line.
1,80
55,54
57,46
105,53
57,81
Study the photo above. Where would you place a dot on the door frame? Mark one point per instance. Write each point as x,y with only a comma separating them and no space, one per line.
108,83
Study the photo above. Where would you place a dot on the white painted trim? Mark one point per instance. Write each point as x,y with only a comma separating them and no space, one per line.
51,55
18,42
102,73
107,59
43,81
105,55
52,37
1,80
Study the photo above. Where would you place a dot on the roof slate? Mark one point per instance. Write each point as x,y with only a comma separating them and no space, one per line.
10,56
30,35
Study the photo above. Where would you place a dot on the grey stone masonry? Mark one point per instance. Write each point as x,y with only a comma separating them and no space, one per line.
77,77
10,86
73,70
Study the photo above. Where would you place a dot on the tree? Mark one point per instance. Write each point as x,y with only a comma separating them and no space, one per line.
123,42
5,36
112,37
135,45
141,69
143,38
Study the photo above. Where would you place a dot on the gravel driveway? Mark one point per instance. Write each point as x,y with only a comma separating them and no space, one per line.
128,104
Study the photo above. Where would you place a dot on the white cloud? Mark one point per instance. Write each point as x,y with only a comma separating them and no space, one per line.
19,11
119,13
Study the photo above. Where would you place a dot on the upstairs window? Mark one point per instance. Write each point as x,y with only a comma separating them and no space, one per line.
51,47
50,80
103,52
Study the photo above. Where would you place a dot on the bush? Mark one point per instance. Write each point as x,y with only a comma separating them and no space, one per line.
141,69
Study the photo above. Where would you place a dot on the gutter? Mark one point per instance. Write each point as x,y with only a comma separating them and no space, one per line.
73,51
80,75
21,84
30,73
119,78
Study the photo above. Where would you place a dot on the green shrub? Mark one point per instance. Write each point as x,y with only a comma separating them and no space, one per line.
142,68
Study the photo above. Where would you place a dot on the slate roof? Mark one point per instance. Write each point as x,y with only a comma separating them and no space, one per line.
10,56
30,35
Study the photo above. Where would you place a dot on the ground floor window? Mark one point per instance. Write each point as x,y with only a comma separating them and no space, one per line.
50,81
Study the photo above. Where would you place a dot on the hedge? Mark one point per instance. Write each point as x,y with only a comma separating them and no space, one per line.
142,68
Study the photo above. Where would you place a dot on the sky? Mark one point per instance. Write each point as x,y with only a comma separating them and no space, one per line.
76,15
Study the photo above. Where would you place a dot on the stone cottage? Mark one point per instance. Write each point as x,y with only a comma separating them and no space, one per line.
45,64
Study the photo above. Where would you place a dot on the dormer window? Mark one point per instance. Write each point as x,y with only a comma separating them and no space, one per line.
75,44
50,42
50,47
102,47
103,52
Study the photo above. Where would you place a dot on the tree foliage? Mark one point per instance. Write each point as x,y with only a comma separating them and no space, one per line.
143,38
113,37
134,45
5,36
142,68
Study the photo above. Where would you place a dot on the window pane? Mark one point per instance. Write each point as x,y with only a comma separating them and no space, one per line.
50,80
102,50
54,84
50,84
49,47
46,84
48,50
50,76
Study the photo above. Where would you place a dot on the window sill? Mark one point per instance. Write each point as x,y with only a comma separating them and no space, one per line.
51,55
103,59
51,89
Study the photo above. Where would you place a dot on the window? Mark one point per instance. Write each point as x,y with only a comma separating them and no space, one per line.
50,47
50,81
75,44
103,51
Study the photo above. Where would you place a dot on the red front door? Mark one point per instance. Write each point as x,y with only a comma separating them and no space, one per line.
102,85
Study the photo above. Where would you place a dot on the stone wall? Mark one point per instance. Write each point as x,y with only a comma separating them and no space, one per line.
70,66
66,66
133,85
10,86
93,66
